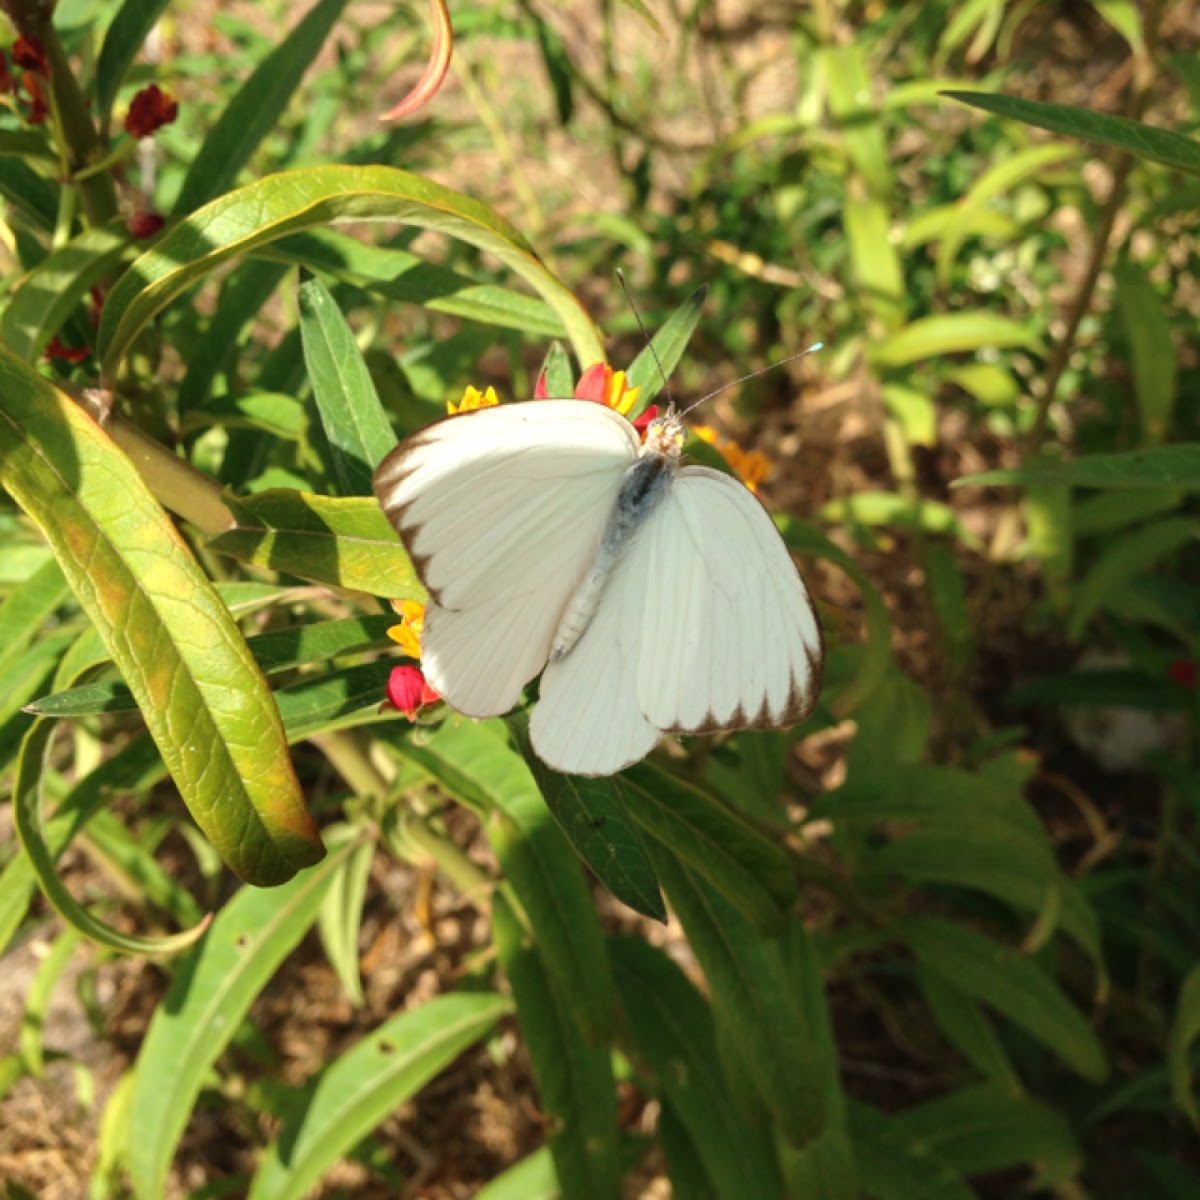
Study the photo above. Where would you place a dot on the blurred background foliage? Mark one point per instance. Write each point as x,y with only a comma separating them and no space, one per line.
942,941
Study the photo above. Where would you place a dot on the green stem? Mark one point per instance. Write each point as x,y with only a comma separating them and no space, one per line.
81,139
1122,165
347,755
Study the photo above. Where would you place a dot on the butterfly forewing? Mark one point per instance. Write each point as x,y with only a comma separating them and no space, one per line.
502,511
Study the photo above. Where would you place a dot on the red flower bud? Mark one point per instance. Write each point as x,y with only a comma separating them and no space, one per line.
144,225
408,692
1182,671
29,53
38,107
150,109
70,354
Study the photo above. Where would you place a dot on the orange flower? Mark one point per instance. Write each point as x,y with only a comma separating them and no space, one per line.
602,385
412,625
751,467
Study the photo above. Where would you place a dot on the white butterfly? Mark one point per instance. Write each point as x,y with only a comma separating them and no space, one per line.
653,598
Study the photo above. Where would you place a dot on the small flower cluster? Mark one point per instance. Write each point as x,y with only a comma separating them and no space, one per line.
407,689
27,83
59,351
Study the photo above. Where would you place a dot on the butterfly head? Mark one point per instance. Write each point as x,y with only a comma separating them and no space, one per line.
665,435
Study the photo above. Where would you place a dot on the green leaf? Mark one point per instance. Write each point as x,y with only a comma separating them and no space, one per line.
401,276
556,374
914,411
751,870
132,768
345,542
1185,1029
874,260
968,1029
1144,141
1155,366
574,1076
1010,983
357,1090
29,193
340,919
1047,510
334,700
674,1042
45,297
532,1178
122,42
276,651
1124,559
243,293
210,994
27,608
948,596
891,508
164,625
244,220
987,1127
804,538
475,764
1175,466
128,858
951,333
767,1038
651,369
1109,511
30,824
893,727
37,1000
593,815
854,114
357,433
891,1168
255,109
1124,17
968,217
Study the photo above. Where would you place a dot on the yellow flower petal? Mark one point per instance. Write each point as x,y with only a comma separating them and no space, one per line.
473,398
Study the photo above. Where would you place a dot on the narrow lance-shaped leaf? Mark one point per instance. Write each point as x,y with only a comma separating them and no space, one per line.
255,108
30,823
205,702
654,364
354,1093
1158,145
593,815
124,38
254,216
574,1077
357,434
1176,466
209,995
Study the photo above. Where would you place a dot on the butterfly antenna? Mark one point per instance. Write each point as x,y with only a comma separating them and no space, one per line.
753,375
637,316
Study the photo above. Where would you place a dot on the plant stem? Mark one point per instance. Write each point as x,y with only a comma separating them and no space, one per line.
81,139
1122,165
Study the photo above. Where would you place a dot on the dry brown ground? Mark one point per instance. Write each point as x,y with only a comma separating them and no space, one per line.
481,1114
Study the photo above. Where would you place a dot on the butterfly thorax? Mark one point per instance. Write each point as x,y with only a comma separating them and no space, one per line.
643,487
